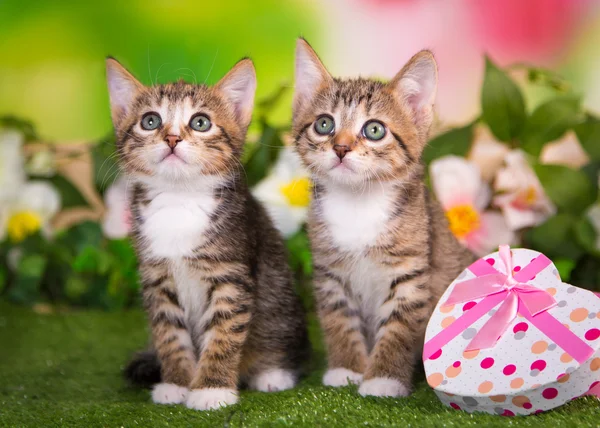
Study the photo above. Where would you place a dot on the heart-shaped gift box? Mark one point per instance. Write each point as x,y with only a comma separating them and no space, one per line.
513,343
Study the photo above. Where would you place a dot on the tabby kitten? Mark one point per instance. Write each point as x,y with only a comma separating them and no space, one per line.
383,253
214,273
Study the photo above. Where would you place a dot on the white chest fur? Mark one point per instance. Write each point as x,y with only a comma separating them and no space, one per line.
356,219
174,222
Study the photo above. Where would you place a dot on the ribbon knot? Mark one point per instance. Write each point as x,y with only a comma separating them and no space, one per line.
511,293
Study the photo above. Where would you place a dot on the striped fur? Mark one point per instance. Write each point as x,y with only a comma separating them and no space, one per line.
216,284
382,249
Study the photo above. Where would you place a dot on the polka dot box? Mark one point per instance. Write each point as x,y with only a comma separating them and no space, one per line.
526,371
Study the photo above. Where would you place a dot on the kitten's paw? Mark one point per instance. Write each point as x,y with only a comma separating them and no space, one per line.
169,393
341,377
273,380
211,398
383,387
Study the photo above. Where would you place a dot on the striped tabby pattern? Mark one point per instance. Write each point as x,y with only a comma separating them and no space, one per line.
216,285
382,250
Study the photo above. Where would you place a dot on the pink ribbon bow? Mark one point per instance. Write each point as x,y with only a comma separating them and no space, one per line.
513,292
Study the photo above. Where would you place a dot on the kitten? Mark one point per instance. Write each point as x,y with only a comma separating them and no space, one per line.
215,280
382,250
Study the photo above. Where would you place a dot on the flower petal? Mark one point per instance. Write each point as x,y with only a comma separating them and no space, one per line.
493,232
566,151
40,197
457,181
487,153
116,223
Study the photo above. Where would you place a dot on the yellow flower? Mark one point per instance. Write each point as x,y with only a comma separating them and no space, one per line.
22,224
463,219
297,192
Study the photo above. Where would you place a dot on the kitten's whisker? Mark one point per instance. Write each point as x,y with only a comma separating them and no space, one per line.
211,67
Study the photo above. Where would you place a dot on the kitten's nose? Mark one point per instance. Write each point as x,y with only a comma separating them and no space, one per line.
341,150
172,140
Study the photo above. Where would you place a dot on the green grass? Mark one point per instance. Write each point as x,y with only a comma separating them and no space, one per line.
64,370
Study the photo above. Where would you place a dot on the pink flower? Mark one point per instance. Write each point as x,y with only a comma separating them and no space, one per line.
523,200
567,151
117,218
464,196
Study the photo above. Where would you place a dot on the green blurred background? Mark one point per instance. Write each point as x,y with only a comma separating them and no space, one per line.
52,66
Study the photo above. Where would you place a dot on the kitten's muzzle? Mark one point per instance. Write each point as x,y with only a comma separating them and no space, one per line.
341,150
344,142
172,140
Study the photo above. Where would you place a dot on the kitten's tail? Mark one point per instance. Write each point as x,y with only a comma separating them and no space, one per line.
143,370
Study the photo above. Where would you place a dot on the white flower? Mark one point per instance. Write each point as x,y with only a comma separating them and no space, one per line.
464,196
567,151
487,153
285,192
12,174
117,218
31,210
25,207
523,200
42,164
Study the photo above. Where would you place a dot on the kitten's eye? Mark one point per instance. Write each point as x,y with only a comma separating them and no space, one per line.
324,125
151,121
374,130
200,123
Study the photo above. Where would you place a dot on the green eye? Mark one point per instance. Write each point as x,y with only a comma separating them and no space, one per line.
200,123
151,121
324,125
374,130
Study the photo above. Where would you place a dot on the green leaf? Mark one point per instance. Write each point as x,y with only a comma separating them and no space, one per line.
3,278
549,122
501,103
586,236
21,125
564,267
454,142
82,235
264,155
588,134
28,278
571,190
106,169
299,252
555,238
75,288
69,194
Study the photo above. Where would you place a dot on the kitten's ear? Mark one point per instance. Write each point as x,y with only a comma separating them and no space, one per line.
310,74
416,86
122,89
238,86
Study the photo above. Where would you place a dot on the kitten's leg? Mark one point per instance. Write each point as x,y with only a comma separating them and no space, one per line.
341,325
403,318
169,334
216,378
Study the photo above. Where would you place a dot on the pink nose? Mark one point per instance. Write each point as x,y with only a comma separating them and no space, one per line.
172,140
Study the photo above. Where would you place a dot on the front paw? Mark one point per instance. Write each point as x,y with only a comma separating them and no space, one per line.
169,393
341,377
211,398
383,387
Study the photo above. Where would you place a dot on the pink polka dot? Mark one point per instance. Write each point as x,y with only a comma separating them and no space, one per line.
533,277
487,363
437,354
507,413
527,406
517,268
491,261
538,411
550,393
594,384
456,364
522,326
538,365
468,306
455,406
510,369
592,334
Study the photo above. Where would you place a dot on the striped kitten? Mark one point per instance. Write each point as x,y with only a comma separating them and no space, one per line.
214,273
382,250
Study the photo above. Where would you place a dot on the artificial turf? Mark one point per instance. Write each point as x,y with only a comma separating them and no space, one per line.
64,369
